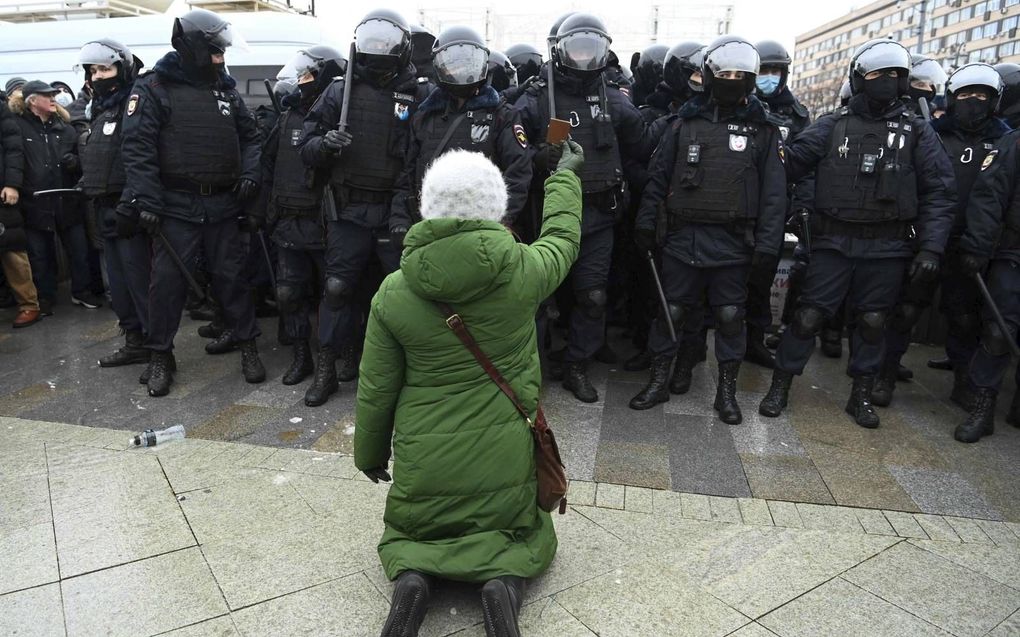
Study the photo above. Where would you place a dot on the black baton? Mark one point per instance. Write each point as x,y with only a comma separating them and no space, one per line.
176,258
662,296
1010,339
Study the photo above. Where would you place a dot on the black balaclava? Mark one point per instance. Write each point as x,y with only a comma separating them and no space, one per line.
105,86
881,92
971,114
728,93
309,91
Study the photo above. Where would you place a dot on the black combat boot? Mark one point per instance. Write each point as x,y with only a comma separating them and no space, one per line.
859,404
943,363
133,352
211,331
409,605
832,343
961,396
301,366
726,394
251,364
981,421
657,389
225,343
885,385
683,371
143,379
348,365
501,604
778,395
756,351
575,379
638,362
161,374
772,340
325,383
1013,417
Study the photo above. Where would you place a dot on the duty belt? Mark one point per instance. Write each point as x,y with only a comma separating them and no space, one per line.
195,188
824,225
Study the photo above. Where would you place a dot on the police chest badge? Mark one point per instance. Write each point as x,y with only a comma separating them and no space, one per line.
109,127
520,135
224,108
479,133
401,111
989,159
738,143
295,136
785,132
132,104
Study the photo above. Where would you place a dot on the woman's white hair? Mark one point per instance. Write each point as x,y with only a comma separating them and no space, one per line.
463,185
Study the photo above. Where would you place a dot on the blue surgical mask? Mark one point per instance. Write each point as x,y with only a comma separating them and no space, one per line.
767,84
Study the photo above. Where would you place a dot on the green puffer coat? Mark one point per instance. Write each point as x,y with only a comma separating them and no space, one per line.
463,501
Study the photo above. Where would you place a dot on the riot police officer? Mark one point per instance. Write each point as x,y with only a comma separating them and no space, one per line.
363,163
609,128
717,193
647,72
110,70
927,80
1009,103
191,154
422,42
675,88
502,74
295,218
526,59
465,112
880,174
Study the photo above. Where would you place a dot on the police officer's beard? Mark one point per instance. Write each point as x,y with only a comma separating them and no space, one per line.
970,115
729,93
881,92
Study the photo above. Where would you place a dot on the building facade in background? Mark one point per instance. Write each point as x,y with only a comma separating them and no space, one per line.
953,32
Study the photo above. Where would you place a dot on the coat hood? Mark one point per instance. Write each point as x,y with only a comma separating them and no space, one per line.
457,260
440,99
16,102
169,66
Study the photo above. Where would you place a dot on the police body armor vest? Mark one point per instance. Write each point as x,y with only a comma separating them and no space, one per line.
867,175
290,186
592,128
379,118
967,156
200,142
715,176
475,132
102,165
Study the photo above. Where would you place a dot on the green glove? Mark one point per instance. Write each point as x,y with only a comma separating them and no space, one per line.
571,157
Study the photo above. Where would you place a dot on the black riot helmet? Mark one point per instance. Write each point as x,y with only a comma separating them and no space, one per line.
678,67
845,93
198,34
555,28
323,62
582,45
502,74
422,42
382,43
526,59
1009,103
927,78
975,77
107,52
648,70
461,61
730,53
879,55
775,55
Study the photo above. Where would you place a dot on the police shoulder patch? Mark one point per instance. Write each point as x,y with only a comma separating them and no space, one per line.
132,104
520,135
782,152
989,159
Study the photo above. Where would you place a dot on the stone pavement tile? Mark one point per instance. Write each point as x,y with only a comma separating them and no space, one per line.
21,456
658,533
829,518
697,401
234,422
649,598
28,556
218,627
874,522
702,457
319,464
1000,563
1010,627
857,480
454,606
752,630
943,493
61,457
609,496
1015,527
577,427
632,463
695,506
25,501
905,525
667,503
766,436
620,423
639,499
785,514
28,398
757,569
724,510
543,618
754,511
347,606
967,529
997,532
936,527
284,460
204,467
36,611
928,586
838,608
785,478
275,395
581,493
338,437
115,512
146,597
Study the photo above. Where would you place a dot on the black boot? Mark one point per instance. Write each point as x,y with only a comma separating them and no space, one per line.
133,352
772,340
225,343
683,371
143,379
859,404
409,605
778,395
941,363
576,380
756,351
349,364
981,421
1013,417
212,331
885,385
726,394
251,364
962,396
325,383
657,389
832,343
161,374
638,362
501,604
301,366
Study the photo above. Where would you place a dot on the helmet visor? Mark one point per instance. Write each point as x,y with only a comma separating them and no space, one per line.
930,72
299,65
461,64
881,56
974,75
96,53
380,37
584,50
733,56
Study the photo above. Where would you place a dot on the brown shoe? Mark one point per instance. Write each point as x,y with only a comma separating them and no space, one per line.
26,318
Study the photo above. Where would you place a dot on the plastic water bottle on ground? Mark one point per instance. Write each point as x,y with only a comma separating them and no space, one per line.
150,438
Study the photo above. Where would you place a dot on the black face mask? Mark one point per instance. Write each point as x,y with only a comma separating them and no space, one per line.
308,92
883,90
103,87
728,92
916,94
971,114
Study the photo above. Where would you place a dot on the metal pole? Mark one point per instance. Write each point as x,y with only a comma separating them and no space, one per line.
921,24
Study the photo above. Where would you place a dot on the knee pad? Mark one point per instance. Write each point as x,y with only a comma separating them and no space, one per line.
338,293
964,324
993,340
592,302
677,316
729,320
871,326
808,321
288,298
904,317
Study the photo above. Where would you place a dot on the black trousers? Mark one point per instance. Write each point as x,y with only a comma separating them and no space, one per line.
1003,279
128,263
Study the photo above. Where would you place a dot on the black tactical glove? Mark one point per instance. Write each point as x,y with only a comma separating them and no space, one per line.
69,162
645,240
245,189
397,235
127,221
336,140
973,263
764,262
377,474
547,157
925,267
149,221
